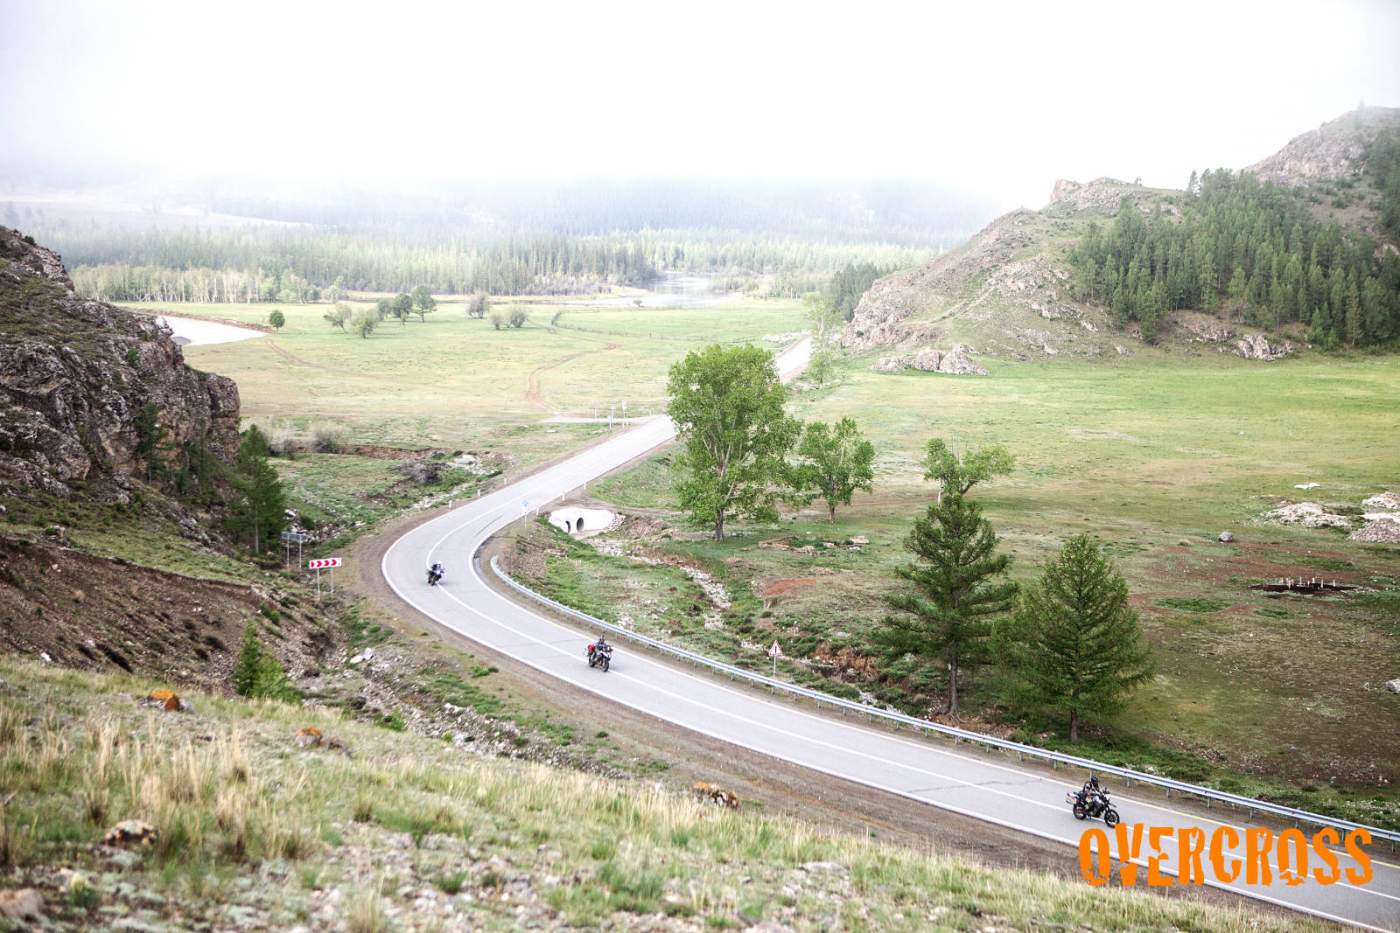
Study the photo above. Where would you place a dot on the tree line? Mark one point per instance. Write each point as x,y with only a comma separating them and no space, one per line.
1069,642
274,264
1246,250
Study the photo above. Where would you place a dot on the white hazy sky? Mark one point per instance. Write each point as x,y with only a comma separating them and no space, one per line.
1000,98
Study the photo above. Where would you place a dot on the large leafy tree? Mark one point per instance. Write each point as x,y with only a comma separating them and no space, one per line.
835,461
423,302
958,589
1075,644
258,512
728,406
958,474
402,307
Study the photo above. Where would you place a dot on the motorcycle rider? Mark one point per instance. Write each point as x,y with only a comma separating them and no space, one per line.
1090,790
436,572
598,646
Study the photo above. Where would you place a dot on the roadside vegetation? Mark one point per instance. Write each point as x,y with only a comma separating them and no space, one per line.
267,814
1153,459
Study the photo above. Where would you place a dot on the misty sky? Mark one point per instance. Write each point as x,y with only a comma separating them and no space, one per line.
998,98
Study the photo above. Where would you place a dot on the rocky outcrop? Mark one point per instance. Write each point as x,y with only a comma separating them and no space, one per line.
1257,347
1307,514
76,374
954,362
1336,150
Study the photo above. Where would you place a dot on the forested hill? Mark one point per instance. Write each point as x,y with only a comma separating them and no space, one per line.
1304,247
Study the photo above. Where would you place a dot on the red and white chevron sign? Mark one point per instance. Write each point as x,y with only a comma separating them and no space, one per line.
324,563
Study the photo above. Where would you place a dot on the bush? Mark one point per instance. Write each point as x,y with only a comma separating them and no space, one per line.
518,317
329,438
499,318
258,675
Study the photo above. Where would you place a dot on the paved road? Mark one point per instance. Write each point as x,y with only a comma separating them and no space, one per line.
964,783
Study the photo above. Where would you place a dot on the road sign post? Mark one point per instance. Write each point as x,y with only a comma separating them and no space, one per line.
775,652
323,563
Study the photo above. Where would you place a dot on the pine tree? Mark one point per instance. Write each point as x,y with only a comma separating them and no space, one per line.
957,589
259,508
245,669
1075,643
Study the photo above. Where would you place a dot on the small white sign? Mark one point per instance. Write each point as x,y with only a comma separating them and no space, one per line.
323,563
776,651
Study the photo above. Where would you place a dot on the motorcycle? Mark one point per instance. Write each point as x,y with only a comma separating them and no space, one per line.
1093,806
433,577
600,656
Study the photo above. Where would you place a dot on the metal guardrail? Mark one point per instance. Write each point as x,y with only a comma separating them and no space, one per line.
1210,795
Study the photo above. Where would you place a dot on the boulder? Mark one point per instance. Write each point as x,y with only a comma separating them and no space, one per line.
308,737
129,834
890,364
1257,347
927,360
1225,537
21,904
957,362
1393,685
167,700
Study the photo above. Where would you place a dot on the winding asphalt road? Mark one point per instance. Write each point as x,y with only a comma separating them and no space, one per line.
967,783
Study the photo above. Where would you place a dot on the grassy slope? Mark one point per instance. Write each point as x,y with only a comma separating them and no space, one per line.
254,830
1156,455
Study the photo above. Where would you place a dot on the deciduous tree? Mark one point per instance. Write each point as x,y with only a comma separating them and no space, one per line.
835,461
959,474
338,316
364,322
423,302
728,406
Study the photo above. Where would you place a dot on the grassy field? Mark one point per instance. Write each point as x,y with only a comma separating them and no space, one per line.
1156,455
253,829
452,384
455,382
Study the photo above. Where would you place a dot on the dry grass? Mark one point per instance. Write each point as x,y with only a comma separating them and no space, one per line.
228,792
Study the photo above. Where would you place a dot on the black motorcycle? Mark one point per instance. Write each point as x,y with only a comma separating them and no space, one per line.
1093,805
600,656
434,576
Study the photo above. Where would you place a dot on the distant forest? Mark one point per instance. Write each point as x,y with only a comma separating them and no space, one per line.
567,238
1252,251
277,264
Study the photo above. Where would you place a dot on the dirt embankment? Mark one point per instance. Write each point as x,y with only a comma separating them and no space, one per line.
92,613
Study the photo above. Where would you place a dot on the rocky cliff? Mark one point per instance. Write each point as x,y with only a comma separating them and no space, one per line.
75,376
1335,151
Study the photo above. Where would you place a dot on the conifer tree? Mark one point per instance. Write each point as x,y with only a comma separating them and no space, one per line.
1075,644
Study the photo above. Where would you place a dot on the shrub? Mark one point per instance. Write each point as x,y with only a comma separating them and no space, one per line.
329,438
499,318
258,675
518,317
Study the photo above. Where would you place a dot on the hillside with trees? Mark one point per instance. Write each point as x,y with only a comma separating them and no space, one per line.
1301,247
